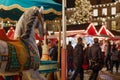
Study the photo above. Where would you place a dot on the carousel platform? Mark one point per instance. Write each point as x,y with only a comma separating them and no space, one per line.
45,68
48,66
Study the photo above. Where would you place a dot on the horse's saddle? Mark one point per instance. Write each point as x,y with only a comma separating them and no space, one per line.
15,55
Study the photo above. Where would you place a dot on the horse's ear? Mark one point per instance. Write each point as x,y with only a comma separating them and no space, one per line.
41,9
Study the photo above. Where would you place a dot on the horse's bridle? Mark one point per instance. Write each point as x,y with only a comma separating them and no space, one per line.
40,18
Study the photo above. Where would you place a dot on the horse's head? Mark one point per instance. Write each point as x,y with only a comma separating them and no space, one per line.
41,21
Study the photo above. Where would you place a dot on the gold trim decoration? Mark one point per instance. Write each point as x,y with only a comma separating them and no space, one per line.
52,10
6,19
13,6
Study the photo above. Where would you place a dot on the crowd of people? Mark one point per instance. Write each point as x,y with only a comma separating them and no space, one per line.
92,57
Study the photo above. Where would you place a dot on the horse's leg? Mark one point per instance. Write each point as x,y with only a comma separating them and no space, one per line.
32,75
26,75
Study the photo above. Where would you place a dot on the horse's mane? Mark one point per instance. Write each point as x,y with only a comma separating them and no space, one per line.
30,23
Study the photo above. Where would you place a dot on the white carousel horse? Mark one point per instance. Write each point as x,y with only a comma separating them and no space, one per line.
22,53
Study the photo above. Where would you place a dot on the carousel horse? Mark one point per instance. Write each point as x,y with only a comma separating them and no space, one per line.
22,53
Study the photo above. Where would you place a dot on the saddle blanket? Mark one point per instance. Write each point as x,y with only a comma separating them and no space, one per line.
14,55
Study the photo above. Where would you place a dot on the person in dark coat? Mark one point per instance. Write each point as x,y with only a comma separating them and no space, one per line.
95,58
107,58
54,52
78,59
114,58
70,56
86,60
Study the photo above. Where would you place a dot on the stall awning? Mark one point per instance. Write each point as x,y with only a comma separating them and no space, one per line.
105,32
91,30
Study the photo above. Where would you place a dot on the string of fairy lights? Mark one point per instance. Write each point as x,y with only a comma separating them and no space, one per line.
7,23
82,12
98,18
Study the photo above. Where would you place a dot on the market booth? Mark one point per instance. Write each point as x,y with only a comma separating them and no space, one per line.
87,31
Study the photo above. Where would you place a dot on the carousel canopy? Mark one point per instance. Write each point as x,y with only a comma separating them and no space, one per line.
13,9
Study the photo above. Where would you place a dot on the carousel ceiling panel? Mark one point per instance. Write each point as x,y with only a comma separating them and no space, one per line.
13,9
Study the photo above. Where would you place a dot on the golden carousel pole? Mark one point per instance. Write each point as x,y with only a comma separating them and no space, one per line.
59,53
45,52
64,53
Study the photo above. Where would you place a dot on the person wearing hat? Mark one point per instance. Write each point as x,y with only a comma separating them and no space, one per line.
95,58
78,59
